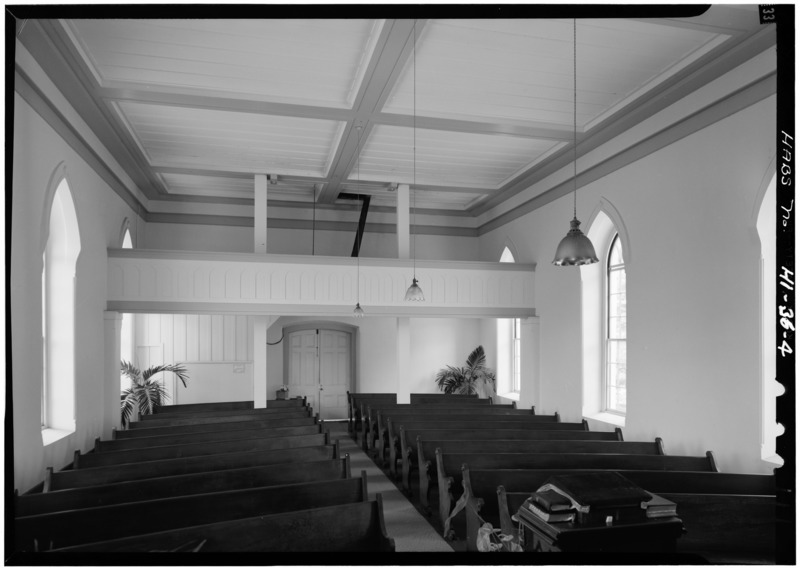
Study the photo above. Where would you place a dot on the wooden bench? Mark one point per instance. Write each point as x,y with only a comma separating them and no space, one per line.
355,401
358,527
175,485
441,398
386,436
452,462
235,405
482,489
270,421
404,450
101,446
370,428
252,444
161,420
71,478
81,526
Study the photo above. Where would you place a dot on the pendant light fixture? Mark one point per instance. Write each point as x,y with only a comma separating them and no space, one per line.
414,292
358,312
575,249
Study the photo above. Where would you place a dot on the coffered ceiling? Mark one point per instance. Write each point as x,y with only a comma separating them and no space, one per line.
469,115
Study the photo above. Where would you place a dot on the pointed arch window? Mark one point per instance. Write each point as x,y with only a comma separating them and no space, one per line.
59,261
509,345
127,334
616,330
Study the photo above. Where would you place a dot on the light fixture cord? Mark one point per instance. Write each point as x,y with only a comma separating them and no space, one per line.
414,158
575,116
314,216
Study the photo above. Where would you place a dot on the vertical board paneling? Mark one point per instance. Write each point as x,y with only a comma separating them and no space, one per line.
241,338
217,338
166,325
229,338
204,337
180,335
192,338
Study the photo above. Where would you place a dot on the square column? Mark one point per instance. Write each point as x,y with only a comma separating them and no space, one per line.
260,325
530,379
403,222
260,214
403,360
112,331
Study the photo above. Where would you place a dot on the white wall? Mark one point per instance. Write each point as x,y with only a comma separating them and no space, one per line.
693,290
38,151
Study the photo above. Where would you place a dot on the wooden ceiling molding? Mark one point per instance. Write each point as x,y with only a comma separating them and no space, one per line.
192,109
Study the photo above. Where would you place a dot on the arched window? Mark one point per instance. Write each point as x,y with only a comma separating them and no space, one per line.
508,347
604,318
126,336
615,352
58,316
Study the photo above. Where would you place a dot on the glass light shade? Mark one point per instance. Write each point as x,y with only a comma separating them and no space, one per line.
358,312
575,249
414,293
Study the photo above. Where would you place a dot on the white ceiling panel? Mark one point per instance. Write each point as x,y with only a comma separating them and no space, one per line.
209,186
522,70
232,141
318,62
448,158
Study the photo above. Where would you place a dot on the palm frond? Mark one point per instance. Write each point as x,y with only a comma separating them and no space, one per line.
179,371
477,359
128,405
131,372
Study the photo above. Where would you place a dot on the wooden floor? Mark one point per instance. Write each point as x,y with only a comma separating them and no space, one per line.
410,530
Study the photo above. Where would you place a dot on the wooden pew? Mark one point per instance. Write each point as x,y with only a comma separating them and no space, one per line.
82,526
403,449
161,420
482,489
71,478
370,429
217,406
252,444
270,421
728,517
102,446
176,485
355,401
358,527
452,462
441,398
382,441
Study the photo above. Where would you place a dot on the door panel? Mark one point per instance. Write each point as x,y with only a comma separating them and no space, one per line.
320,369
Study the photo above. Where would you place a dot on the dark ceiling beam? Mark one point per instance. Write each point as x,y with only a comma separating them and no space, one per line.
735,20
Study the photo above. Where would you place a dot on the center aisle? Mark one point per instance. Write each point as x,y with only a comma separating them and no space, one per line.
411,532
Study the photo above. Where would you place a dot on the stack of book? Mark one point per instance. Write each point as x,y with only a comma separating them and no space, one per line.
595,498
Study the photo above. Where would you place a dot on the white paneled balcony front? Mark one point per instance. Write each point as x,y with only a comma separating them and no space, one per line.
150,281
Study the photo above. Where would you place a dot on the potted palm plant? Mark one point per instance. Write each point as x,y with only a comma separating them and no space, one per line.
145,393
474,377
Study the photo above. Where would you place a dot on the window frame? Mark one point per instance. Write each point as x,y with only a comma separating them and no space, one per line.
607,339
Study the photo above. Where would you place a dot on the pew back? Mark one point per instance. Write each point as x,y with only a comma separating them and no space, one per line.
68,479
273,421
80,526
198,449
176,485
345,528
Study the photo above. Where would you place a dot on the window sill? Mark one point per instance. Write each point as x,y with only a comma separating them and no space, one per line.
608,418
509,395
52,435
773,459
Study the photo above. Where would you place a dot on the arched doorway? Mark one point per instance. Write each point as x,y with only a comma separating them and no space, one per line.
320,365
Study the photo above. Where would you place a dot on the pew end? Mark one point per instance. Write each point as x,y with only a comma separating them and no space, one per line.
76,460
584,422
618,432
558,416
346,463
48,479
712,461
114,433
660,446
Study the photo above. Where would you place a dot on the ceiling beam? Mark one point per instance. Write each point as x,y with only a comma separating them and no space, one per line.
391,52
541,131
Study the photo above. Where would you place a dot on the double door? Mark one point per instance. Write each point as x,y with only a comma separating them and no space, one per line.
320,368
